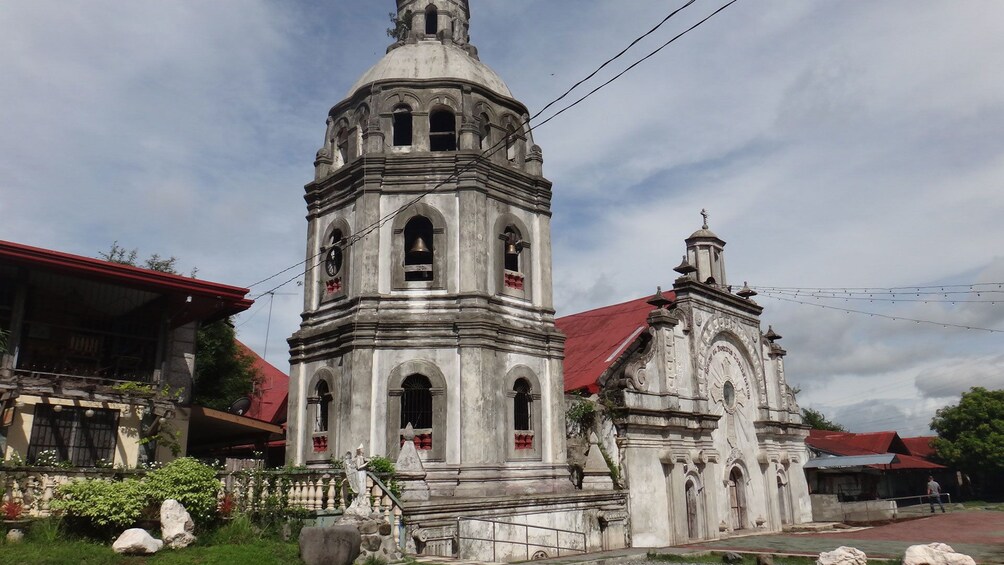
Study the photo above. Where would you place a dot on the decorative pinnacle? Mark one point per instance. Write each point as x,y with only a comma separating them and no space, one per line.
705,214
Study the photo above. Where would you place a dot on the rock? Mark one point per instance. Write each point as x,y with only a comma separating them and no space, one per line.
935,554
764,559
136,541
732,557
176,525
15,536
335,545
372,543
843,555
385,529
368,528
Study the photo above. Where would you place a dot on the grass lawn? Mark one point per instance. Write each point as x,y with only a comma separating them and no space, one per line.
32,552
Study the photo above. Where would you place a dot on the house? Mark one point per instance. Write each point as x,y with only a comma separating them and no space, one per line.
99,358
872,466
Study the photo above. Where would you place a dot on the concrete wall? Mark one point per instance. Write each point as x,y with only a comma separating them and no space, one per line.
827,508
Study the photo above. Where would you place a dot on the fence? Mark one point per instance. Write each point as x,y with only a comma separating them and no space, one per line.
252,490
508,545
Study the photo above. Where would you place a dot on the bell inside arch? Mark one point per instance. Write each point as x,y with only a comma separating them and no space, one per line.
419,249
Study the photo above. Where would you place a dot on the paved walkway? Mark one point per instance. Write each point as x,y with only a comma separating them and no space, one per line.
979,534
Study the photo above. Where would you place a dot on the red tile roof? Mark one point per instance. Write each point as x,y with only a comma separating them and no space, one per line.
597,338
268,404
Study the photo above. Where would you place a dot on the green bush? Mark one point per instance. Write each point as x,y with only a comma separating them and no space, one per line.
106,505
189,482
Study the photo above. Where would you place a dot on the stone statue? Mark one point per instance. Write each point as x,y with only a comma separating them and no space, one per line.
355,473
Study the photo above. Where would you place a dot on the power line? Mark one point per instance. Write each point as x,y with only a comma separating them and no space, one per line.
873,289
505,140
877,315
879,299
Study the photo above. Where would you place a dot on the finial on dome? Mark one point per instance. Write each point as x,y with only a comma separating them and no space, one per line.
433,19
705,214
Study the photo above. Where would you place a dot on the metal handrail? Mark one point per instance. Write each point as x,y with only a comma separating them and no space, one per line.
526,537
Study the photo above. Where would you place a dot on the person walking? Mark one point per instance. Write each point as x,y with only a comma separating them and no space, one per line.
934,493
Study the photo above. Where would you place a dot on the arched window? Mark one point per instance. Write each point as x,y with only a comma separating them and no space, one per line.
431,20
523,422
510,144
442,131
416,409
402,126
334,265
342,147
419,249
512,244
323,403
522,407
512,259
485,132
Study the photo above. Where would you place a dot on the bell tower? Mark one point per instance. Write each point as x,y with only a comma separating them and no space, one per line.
427,297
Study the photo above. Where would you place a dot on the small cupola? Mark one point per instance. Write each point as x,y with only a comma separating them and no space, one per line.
447,20
705,253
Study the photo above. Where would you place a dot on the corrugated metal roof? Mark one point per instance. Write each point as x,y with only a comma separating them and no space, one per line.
839,462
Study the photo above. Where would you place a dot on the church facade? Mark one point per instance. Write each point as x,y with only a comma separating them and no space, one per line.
700,419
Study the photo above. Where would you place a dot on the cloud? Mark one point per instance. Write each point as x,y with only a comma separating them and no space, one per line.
956,376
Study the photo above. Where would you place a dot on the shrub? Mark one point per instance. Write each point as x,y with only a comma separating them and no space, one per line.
11,510
105,505
189,482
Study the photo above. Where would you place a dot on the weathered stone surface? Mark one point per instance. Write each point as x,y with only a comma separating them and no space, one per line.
176,525
935,554
335,545
15,536
372,543
764,559
732,557
843,555
385,529
137,541
367,528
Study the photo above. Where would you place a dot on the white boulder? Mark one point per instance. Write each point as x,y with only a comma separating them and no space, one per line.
935,554
842,555
176,525
136,541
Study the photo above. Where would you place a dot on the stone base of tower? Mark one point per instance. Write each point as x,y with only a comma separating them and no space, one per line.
517,528
469,481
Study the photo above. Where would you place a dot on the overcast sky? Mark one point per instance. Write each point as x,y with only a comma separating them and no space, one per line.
835,144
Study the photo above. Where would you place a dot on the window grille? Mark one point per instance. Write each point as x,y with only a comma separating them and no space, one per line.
73,435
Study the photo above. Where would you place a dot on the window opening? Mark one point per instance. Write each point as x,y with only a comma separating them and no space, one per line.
431,21
323,402
402,126
334,259
343,147
512,246
485,132
419,249
81,436
416,409
442,131
521,415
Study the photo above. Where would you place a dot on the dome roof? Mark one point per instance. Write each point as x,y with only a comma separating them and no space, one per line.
703,232
430,60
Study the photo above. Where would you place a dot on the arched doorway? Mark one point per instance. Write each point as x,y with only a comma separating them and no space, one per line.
783,500
737,499
693,513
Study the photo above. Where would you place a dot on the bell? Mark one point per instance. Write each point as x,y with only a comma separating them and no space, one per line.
419,247
511,249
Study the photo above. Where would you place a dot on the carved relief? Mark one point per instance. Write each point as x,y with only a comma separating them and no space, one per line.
711,334
635,372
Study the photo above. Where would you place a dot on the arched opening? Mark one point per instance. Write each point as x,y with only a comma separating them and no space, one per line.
431,20
522,414
737,499
402,126
485,132
693,520
416,409
419,249
334,264
342,147
323,403
783,501
512,246
442,131
510,144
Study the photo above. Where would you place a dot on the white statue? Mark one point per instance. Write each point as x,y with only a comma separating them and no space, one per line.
355,473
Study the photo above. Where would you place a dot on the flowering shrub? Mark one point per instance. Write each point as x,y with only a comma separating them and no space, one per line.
11,510
189,482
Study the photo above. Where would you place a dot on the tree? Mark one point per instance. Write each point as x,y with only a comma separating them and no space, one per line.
223,371
817,421
971,435
399,27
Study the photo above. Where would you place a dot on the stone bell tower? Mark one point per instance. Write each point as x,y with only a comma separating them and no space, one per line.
427,299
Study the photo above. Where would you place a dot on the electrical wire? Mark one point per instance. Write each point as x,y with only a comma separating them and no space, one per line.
504,141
